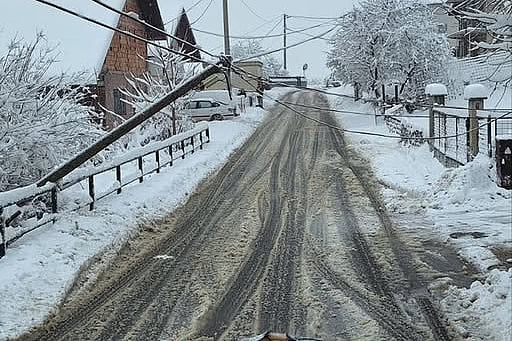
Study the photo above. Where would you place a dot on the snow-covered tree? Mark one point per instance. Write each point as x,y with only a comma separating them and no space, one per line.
167,71
250,47
388,41
42,122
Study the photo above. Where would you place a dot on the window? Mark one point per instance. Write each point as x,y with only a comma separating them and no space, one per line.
204,104
119,105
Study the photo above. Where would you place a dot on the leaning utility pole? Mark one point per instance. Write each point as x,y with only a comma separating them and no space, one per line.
284,41
130,124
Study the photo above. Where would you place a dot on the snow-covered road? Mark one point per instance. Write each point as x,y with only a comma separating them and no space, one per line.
290,235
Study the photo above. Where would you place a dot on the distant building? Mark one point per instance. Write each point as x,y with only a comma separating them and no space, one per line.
248,82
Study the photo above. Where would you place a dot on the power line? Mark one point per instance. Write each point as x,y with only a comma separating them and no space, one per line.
352,112
314,18
112,9
186,11
262,36
129,34
289,46
239,71
203,13
253,11
311,35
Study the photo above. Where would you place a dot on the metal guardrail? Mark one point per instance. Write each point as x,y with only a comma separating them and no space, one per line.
164,153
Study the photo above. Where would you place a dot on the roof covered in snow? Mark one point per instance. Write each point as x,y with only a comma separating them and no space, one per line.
81,46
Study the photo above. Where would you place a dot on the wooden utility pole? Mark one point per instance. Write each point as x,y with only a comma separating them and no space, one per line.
284,42
227,46
127,126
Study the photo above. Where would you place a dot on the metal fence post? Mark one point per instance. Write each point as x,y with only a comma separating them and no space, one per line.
456,138
183,149
208,134
489,135
141,169
91,192
170,155
201,140
468,145
192,143
157,157
3,244
118,178
54,199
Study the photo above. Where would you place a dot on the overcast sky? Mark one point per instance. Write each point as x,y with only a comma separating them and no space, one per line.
243,22
81,45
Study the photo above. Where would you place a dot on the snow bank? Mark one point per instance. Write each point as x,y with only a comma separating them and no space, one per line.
469,184
38,269
484,311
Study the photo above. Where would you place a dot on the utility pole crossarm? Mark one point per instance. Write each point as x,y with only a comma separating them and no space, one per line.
127,126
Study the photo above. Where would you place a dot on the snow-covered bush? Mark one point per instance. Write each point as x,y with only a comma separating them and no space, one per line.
169,71
389,41
42,122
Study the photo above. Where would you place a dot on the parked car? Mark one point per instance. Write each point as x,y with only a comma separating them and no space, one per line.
208,109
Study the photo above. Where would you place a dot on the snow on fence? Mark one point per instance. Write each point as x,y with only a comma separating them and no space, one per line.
452,132
31,207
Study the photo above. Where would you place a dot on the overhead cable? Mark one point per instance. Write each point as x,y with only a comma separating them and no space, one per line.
262,36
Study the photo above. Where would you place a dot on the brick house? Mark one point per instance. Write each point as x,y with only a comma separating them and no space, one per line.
126,56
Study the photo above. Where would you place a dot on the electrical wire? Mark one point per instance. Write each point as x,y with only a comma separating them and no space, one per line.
142,22
329,40
353,112
253,11
202,14
288,47
129,34
377,101
241,73
186,11
262,36
313,17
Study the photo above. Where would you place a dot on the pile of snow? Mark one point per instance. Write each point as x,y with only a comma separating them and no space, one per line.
484,311
473,185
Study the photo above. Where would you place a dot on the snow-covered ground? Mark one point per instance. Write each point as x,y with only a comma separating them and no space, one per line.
40,267
469,213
